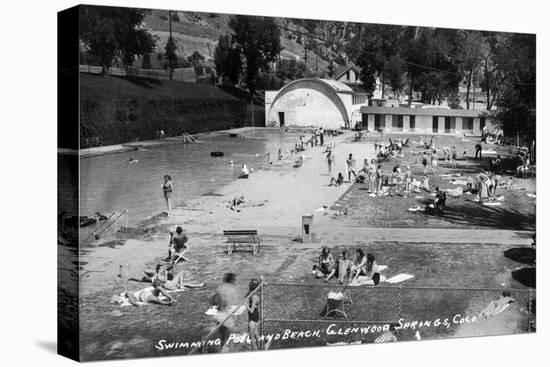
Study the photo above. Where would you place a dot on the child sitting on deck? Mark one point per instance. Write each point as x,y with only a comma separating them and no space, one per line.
298,162
344,267
338,181
326,266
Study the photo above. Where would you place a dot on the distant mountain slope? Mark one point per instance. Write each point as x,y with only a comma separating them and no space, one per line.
194,31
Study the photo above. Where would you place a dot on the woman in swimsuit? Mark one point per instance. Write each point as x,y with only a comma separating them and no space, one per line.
167,188
150,295
359,266
326,265
372,270
163,279
435,158
253,308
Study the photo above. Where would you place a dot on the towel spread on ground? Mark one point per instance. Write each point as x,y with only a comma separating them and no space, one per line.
363,280
455,192
492,203
495,307
459,182
489,152
235,310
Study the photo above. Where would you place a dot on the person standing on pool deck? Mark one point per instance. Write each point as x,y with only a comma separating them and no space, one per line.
350,162
330,160
321,136
226,299
478,151
167,188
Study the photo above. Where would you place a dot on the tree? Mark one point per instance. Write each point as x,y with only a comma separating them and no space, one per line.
291,69
372,48
110,32
517,93
432,67
170,53
470,58
258,41
394,70
331,69
146,62
196,59
227,59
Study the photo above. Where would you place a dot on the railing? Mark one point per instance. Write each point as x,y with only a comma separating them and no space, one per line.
110,222
305,315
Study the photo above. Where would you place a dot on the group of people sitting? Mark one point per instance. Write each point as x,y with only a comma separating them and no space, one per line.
393,150
346,268
492,137
523,163
163,281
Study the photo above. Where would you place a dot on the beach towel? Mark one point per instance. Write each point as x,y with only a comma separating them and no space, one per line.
531,195
454,193
459,182
364,280
488,152
492,203
417,209
495,307
399,278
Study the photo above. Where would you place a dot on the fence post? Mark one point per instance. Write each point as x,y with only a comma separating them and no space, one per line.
529,305
400,300
262,295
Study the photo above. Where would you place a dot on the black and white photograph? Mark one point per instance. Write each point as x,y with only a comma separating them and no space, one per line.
243,183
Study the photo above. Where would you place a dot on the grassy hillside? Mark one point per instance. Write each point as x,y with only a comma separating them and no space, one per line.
109,88
121,109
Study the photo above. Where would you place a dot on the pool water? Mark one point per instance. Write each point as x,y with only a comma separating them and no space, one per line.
110,183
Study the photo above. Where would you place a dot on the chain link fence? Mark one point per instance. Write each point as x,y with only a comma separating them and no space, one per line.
306,315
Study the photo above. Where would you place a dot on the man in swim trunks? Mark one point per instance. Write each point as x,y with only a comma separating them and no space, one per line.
177,243
226,298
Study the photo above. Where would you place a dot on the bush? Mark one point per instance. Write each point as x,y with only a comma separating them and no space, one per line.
163,17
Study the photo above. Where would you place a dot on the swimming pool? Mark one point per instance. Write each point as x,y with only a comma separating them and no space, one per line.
110,183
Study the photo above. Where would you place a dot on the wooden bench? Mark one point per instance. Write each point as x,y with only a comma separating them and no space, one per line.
242,236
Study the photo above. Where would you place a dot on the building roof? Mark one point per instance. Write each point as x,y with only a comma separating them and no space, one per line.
341,69
337,86
423,111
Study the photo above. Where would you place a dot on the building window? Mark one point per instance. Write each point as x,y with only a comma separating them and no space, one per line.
435,124
468,123
395,121
481,123
412,122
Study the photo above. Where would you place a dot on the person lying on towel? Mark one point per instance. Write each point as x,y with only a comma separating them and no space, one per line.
149,295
